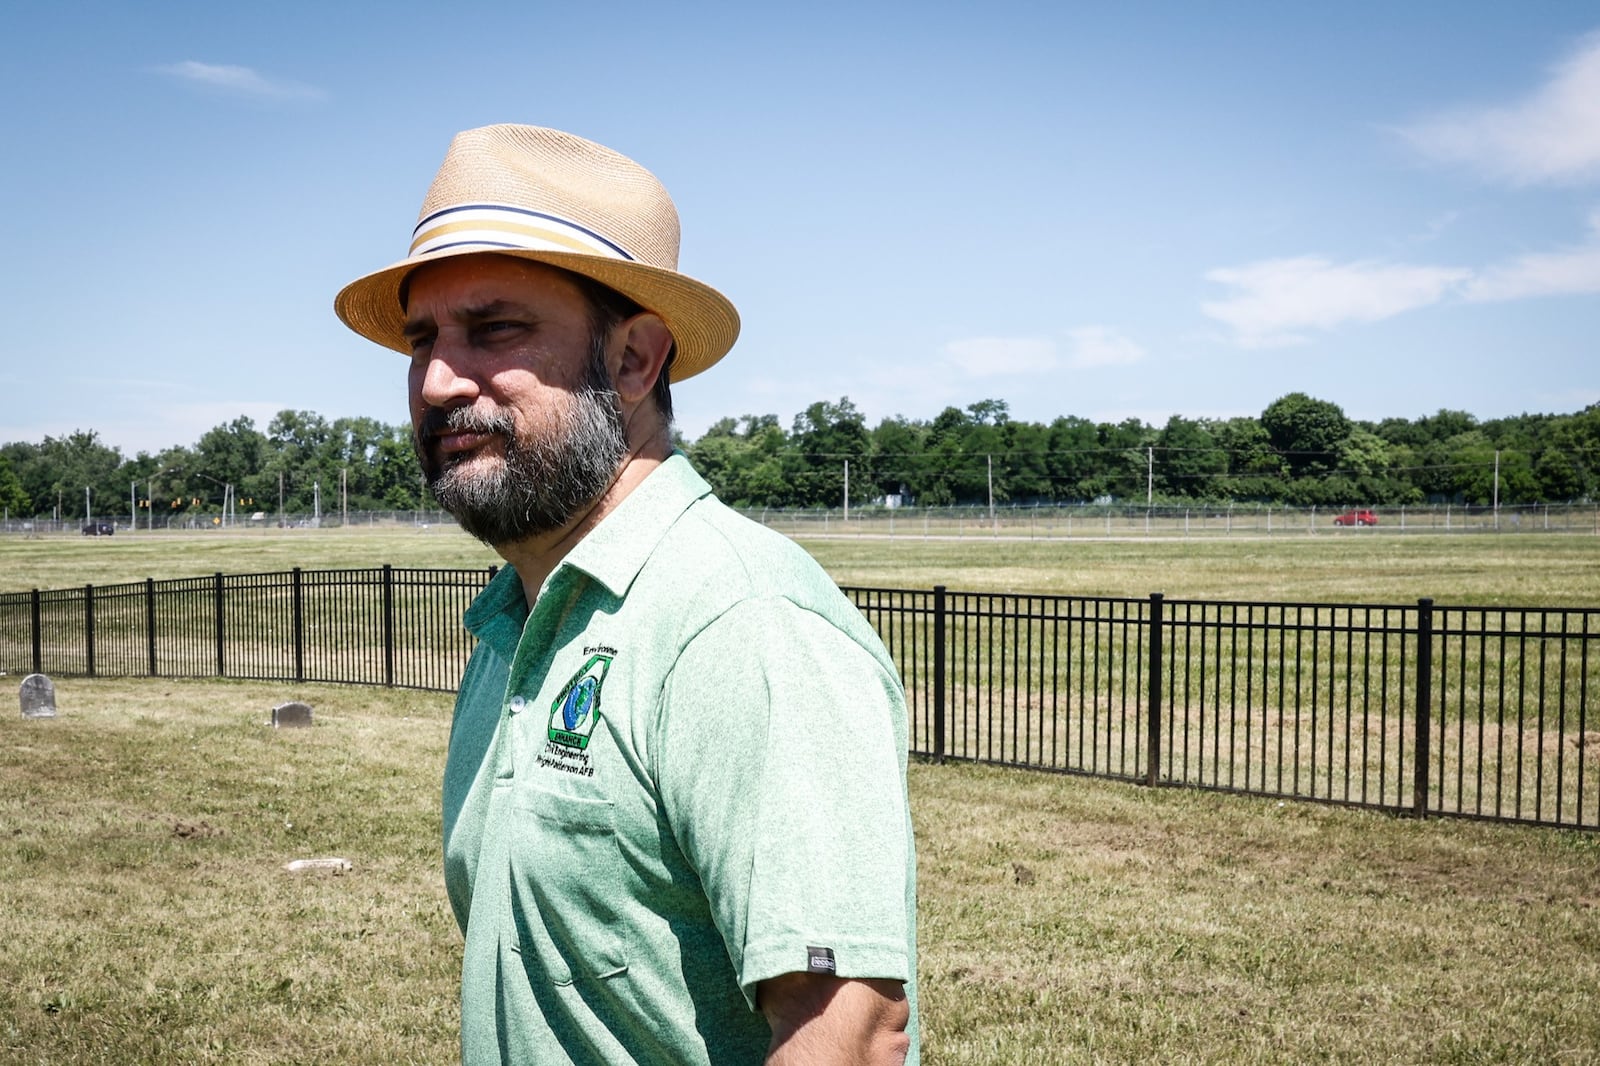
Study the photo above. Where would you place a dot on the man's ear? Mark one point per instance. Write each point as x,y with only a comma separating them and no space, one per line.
645,345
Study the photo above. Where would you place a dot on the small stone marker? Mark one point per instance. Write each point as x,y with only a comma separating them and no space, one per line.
291,715
335,866
38,697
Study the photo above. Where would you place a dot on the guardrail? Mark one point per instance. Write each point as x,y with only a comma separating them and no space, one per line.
1422,709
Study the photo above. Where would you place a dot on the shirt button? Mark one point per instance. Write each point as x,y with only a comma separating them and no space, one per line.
517,703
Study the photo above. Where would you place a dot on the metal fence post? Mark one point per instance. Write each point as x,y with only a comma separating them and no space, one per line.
221,630
938,672
1152,732
150,621
88,629
299,629
1419,772
388,624
38,634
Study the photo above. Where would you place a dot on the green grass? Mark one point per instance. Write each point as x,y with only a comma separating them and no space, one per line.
1525,569
67,560
146,916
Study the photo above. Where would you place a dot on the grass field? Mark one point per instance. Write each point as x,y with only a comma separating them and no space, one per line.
1520,570
147,917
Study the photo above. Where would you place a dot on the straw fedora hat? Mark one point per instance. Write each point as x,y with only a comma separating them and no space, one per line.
554,198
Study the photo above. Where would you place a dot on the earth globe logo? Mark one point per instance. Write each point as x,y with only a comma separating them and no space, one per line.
580,698
576,711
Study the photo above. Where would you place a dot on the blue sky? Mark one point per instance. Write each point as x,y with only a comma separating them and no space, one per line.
1165,208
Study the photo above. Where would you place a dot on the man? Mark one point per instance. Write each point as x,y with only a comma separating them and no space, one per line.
675,822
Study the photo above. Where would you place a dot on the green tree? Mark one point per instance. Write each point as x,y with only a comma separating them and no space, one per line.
1073,446
1123,462
722,458
945,478
1255,469
1307,432
1188,461
1558,476
12,497
297,447
898,463
60,470
396,474
1027,462
825,436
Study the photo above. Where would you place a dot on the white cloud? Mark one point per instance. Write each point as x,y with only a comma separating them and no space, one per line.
1565,272
240,80
987,357
1276,300
1544,274
1093,346
1551,136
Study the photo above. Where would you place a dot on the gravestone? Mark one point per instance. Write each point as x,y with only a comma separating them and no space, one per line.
38,697
291,715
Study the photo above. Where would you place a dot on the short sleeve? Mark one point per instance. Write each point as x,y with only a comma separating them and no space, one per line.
781,763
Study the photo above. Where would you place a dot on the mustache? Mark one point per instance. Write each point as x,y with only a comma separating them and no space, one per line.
439,420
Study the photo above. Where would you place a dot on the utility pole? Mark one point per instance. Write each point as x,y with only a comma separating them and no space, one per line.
1149,476
87,518
133,505
1497,488
344,496
847,490
990,459
280,499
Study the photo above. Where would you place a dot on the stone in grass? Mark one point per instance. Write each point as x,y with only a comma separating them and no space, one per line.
331,865
291,715
38,697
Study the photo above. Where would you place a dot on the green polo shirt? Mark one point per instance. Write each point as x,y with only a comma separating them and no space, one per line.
681,774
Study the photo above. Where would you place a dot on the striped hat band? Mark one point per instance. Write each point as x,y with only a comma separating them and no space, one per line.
501,226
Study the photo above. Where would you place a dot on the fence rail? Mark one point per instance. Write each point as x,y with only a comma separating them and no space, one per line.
1422,709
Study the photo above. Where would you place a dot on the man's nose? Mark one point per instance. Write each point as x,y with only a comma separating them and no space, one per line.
443,385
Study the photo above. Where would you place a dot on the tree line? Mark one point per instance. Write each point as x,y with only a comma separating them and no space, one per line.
1300,451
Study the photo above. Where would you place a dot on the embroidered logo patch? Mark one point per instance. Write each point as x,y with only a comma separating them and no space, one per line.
576,711
820,960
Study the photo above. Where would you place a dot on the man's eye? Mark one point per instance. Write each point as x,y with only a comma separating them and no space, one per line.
491,329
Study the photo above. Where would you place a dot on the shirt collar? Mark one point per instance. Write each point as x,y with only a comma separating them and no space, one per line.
612,553
616,550
497,614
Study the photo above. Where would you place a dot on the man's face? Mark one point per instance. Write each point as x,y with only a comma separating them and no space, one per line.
513,414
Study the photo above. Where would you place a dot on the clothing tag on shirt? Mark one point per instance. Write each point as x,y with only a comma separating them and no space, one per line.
820,960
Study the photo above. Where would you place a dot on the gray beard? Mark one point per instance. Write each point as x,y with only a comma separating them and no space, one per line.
546,479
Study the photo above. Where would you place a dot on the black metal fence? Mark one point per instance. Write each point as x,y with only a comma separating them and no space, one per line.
381,626
1422,709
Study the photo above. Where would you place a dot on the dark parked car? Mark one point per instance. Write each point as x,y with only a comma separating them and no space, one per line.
99,529
1356,518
